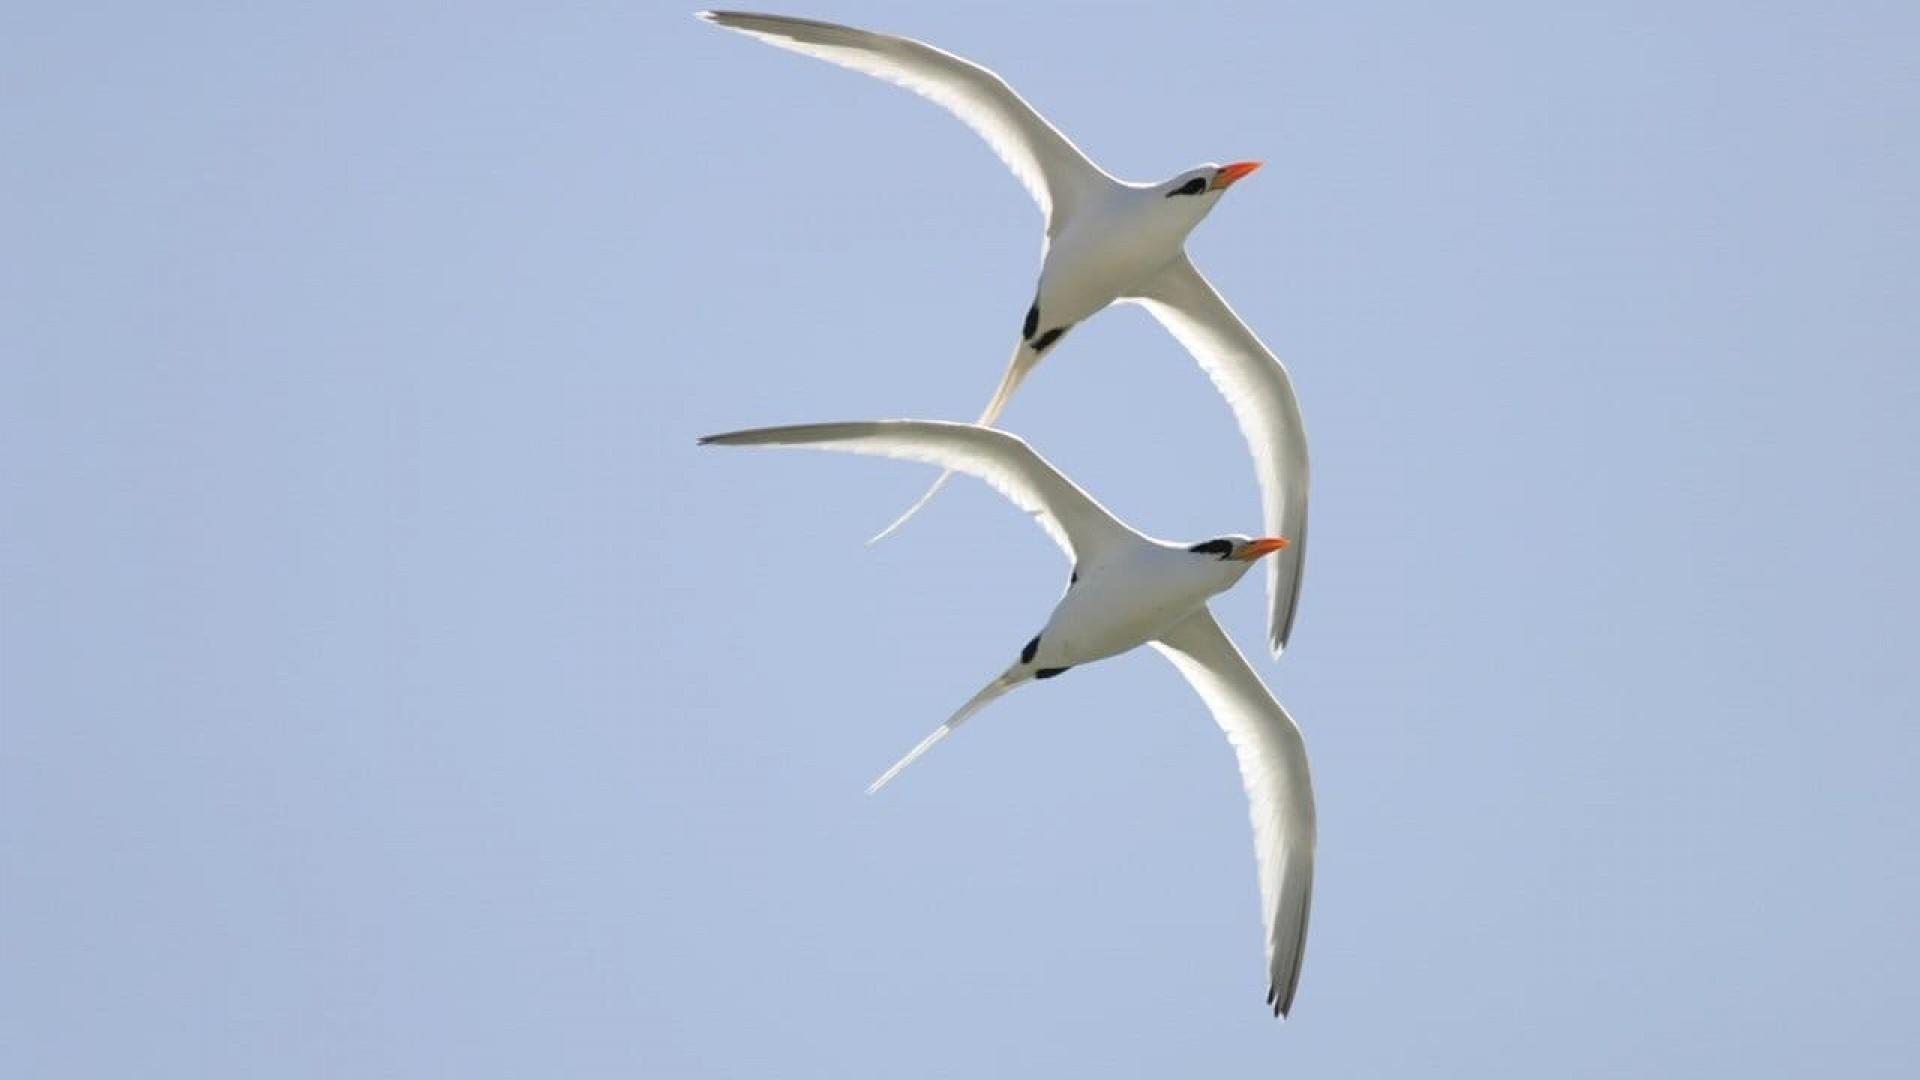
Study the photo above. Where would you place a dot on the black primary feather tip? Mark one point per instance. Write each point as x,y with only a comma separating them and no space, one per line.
1273,999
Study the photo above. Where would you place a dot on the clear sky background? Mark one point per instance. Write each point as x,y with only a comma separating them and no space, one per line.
390,687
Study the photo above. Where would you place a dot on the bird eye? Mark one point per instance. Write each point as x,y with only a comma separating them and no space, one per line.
1192,187
1222,548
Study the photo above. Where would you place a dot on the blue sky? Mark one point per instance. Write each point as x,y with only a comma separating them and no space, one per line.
392,688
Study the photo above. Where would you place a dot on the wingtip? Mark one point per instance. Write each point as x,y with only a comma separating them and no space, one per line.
1283,1004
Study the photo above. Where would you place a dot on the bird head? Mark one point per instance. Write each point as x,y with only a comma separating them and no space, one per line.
1194,192
1233,556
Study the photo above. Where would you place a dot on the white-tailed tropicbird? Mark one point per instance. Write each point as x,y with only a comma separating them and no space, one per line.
1107,240
1126,590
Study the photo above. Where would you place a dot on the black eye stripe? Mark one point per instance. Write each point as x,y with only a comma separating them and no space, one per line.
1192,187
1213,547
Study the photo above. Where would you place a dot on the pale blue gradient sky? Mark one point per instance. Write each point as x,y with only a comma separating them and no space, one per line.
391,688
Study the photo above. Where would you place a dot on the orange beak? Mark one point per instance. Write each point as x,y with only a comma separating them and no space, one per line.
1231,174
1258,548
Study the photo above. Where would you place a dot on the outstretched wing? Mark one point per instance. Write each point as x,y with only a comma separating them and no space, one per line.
1256,386
1082,527
1054,171
1273,767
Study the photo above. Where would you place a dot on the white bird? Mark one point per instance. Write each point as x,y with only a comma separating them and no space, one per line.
1126,590
1106,240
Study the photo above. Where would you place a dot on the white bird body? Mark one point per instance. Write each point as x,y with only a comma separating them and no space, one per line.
1127,590
1129,598
1107,241
1109,251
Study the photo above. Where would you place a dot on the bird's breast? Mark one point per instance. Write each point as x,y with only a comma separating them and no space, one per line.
1120,611
1102,259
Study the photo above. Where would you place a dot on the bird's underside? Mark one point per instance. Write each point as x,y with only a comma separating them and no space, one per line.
1125,589
1114,230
